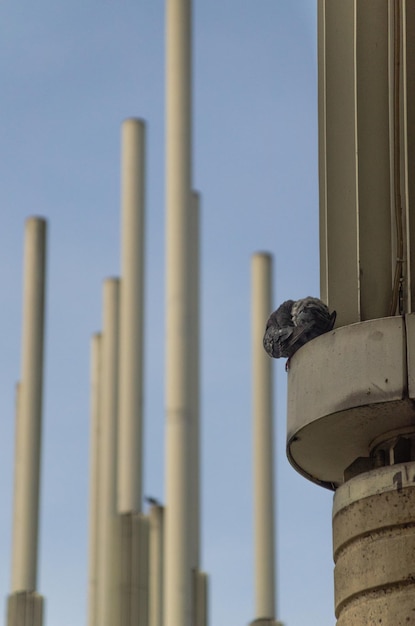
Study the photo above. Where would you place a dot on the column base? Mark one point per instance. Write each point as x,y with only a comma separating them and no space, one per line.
25,608
132,561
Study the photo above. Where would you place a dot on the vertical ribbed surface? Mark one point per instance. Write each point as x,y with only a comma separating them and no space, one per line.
133,567
25,609
355,159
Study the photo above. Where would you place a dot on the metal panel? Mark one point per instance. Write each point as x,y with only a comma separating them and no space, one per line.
409,141
373,161
410,352
337,153
354,157
322,162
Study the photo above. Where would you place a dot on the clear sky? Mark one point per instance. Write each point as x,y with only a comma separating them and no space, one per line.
70,72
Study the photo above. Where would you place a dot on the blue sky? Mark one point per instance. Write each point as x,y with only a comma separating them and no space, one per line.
70,73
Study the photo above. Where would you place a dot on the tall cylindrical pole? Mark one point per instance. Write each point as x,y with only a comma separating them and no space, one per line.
131,318
108,453
263,440
194,385
94,510
29,411
156,565
178,306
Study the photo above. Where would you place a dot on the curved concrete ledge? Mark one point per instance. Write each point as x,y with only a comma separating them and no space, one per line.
346,389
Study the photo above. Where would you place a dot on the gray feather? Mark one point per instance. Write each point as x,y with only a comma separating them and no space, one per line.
294,324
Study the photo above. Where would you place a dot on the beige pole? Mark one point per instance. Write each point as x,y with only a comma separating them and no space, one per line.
94,508
178,305
131,318
29,411
263,440
108,453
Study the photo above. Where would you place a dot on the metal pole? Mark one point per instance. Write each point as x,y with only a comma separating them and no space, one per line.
108,453
194,385
131,318
156,562
94,511
178,306
263,441
29,411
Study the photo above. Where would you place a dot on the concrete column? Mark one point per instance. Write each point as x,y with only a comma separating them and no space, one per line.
194,385
29,413
263,436
374,548
95,487
108,454
178,307
131,318
156,565
350,392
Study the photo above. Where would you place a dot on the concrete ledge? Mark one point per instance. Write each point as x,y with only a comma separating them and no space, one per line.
346,389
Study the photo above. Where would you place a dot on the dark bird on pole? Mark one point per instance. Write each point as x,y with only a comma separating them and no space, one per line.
152,501
295,323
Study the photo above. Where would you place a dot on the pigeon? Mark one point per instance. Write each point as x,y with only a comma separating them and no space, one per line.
295,323
152,501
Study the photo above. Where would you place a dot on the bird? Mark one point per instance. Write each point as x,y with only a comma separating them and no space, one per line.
295,323
152,501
